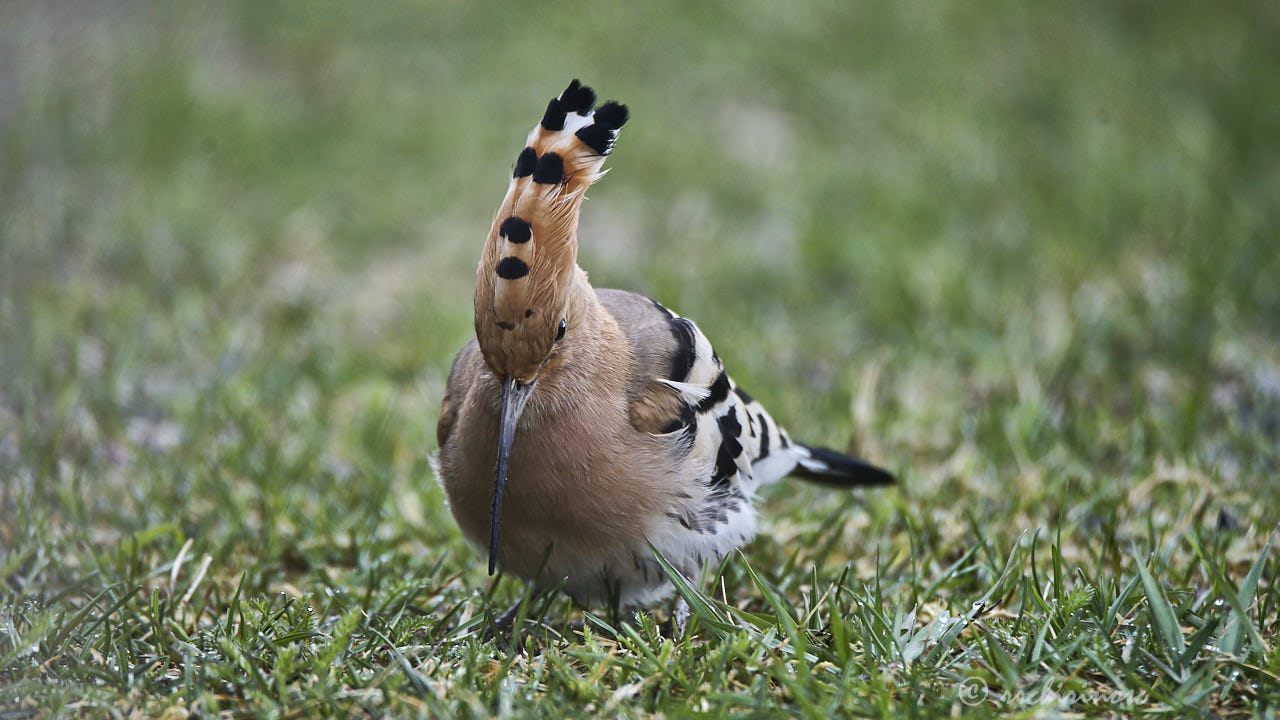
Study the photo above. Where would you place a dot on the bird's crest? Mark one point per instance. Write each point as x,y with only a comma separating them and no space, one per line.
528,267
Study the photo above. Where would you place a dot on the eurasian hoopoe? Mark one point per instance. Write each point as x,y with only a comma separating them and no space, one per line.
611,419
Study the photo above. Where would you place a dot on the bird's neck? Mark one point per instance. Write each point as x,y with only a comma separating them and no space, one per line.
593,349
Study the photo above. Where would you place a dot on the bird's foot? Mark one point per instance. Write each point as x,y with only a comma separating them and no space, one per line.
501,627
677,625
680,618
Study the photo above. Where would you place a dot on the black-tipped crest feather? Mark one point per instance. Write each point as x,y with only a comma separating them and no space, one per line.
612,115
525,163
515,230
553,118
578,98
550,169
597,137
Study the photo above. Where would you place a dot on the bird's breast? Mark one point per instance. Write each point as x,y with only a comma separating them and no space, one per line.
582,487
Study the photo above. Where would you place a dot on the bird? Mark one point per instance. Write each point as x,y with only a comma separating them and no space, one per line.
582,429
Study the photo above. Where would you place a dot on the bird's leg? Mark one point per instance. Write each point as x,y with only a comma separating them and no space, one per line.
502,626
677,624
680,618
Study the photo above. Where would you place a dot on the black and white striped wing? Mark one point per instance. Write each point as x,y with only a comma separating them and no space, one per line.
727,432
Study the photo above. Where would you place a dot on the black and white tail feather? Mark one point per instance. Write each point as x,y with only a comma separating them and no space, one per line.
835,468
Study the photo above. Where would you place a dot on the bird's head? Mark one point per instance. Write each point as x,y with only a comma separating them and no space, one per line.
528,283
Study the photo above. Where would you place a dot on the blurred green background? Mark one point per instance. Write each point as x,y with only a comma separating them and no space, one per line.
1026,255
252,228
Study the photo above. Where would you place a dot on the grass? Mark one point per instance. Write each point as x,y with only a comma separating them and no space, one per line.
1024,255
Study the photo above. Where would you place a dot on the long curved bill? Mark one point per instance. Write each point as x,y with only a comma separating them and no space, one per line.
514,395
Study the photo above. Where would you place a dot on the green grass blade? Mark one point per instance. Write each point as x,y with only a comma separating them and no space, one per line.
701,607
1162,614
1238,622
781,614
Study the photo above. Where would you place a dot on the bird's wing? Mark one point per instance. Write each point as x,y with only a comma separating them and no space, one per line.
680,388
461,376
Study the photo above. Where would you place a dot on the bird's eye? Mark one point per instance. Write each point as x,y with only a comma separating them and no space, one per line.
560,331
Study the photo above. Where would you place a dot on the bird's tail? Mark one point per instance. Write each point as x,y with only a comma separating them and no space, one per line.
834,468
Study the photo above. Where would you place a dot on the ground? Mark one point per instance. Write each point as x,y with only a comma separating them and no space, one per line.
1026,256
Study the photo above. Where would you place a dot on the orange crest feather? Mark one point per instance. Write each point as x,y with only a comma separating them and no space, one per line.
529,261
